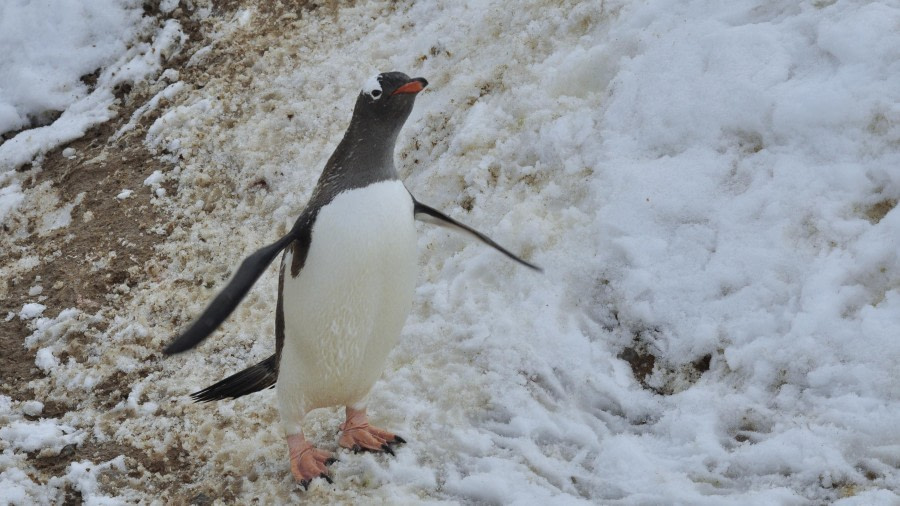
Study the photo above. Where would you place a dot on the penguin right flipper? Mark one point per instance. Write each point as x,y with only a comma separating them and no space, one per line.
420,208
250,270
252,379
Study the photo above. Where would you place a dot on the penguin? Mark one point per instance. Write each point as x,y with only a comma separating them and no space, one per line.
345,285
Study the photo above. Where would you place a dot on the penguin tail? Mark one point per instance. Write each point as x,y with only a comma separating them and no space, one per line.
252,379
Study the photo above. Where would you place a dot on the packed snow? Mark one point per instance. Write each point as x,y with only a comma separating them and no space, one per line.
710,185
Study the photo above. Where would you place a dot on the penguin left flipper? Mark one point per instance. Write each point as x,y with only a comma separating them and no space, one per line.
250,270
420,208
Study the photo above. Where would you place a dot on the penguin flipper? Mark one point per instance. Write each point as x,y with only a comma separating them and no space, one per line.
250,270
252,379
420,208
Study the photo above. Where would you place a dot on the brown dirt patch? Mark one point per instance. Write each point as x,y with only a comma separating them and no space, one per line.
644,363
879,210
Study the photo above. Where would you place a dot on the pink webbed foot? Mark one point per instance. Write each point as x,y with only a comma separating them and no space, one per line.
358,435
307,461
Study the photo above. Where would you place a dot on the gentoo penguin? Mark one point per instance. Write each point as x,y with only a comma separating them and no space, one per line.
345,286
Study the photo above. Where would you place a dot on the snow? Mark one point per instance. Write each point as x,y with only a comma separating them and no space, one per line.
32,408
14,489
168,6
48,330
168,93
76,39
124,194
45,433
705,182
10,198
83,477
61,217
45,360
154,179
31,310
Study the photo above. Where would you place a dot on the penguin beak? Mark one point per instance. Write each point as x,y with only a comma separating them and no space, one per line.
416,85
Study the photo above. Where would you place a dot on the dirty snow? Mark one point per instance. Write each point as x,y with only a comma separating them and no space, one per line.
704,183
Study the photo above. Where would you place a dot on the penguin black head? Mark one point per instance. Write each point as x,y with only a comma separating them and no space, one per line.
379,88
387,99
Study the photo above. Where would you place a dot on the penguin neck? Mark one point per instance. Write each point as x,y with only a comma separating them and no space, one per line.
366,150
363,157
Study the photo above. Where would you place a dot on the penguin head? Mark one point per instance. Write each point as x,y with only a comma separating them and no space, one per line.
387,99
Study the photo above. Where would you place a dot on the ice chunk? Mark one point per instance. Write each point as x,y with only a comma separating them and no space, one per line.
31,310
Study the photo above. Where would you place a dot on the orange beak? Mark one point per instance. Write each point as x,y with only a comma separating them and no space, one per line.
416,85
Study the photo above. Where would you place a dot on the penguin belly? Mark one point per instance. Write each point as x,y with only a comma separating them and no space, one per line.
344,311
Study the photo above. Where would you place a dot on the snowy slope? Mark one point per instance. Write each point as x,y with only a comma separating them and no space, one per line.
703,182
61,64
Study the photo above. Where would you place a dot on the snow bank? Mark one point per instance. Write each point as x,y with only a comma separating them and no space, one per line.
73,40
49,52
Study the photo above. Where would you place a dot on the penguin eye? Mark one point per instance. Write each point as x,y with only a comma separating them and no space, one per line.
376,93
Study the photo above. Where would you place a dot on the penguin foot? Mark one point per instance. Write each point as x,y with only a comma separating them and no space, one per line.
307,461
359,436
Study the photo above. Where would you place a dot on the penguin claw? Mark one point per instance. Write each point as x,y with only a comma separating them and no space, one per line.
330,461
307,461
306,483
357,435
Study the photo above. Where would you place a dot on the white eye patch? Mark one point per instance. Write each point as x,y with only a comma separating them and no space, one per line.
372,87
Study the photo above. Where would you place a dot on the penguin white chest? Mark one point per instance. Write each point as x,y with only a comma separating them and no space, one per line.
344,311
